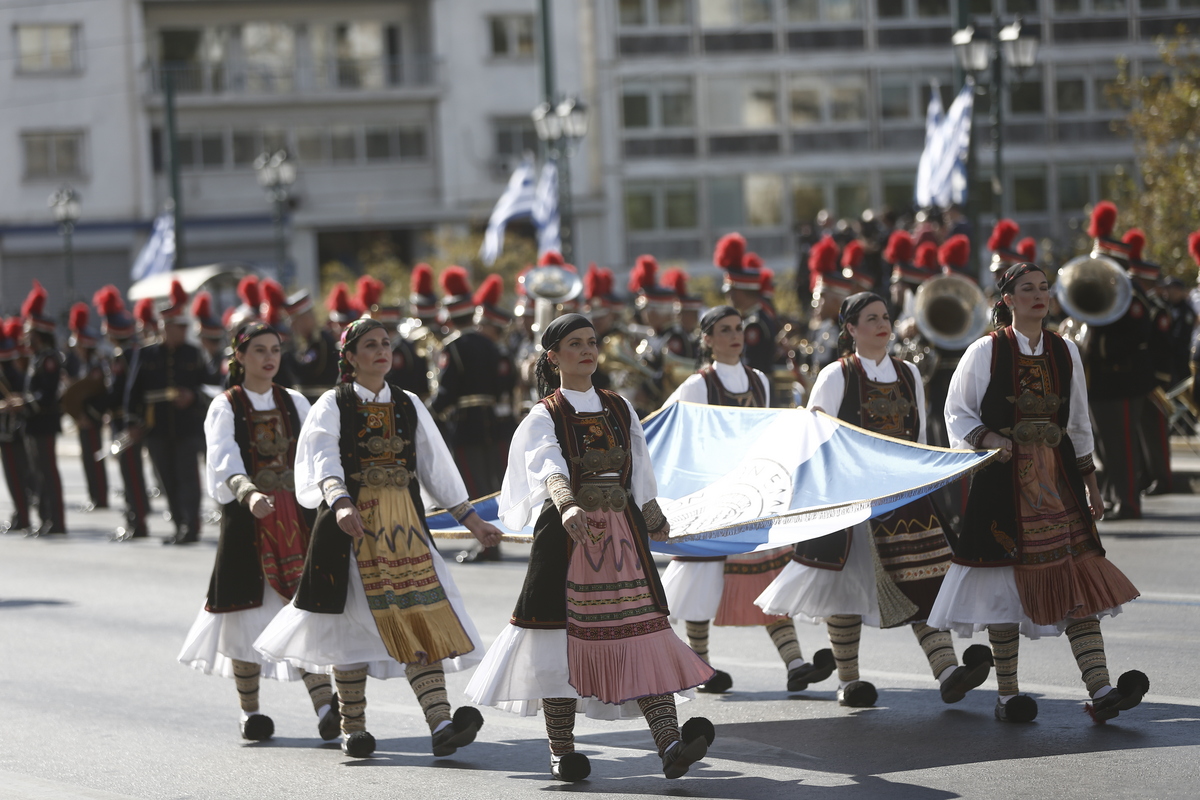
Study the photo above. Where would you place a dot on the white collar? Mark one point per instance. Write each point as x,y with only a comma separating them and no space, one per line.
1023,343
365,394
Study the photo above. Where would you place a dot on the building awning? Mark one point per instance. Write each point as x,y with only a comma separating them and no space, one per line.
193,279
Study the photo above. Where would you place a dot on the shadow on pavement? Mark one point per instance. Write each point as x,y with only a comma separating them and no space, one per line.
26,602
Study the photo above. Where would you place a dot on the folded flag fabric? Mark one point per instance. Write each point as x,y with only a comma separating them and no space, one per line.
736,480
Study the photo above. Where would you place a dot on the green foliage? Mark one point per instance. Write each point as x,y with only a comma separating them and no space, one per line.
1164,122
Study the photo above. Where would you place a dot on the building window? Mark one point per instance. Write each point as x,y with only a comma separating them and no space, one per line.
514,137
660,103
754,201
635,13
851,198
1074,191
733,13
815,98
1025,96
898,191
310,146
47,49
1029,193
824,10
1070,95
661,206
895,98
53,154
889,9
245,148
808,198
512,35
742,102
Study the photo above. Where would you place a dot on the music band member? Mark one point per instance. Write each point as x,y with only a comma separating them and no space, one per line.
164,394
42,411
12,422
84,401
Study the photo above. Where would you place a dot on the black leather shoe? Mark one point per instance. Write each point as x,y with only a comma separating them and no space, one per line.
1129,691
330,724
977,663
822,666
698,733
459,733
258,728
1021,708
571,767
857,694
719,683
359,744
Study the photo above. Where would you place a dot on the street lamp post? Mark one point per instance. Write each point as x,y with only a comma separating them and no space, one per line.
66,206
560,127
276,174
976,55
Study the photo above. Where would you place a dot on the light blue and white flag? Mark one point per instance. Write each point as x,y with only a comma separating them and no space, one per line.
517,202
158,254
545,209
736,480
942,171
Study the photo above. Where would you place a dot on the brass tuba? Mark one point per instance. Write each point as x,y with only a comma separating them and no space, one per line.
1093,289
950,311
549,286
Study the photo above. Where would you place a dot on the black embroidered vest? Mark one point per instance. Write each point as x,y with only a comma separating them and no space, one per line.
887,408
718,395
237,578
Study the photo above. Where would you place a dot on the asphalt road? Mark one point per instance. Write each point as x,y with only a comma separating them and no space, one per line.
94,704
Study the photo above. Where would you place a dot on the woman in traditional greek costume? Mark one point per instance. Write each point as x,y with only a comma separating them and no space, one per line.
885,572
375,597
1029,559
590,632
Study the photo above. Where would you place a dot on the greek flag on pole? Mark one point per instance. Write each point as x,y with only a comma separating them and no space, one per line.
516,202
545,209
736,480
942,171
158,254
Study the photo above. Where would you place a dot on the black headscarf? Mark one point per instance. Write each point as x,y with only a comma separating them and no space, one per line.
853,305
715,315
848,313
562,327
556,331
1001,314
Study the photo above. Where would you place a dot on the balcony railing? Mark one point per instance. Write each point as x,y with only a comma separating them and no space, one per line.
320,77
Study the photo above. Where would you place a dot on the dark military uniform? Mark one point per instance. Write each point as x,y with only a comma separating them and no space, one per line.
410,371
12,448
174,436
90,444
133,476
1156,445
1120,376
313,366
760,351
474,378
42,426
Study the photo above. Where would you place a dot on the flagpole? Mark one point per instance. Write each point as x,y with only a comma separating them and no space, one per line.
173,159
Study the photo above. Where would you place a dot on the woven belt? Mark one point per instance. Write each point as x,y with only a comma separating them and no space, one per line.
378,445
1028,432
476,401
270,480
597,496
378,477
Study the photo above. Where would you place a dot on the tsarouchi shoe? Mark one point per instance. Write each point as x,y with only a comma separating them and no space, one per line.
1021,708
571,767
359,744
258,728
459,733
697,734
1130,689
977,663
719,683
857,694
822,666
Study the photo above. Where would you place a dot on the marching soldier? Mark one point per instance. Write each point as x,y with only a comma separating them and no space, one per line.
408,372
829,288
683,338
743,286
165,395
656,307
1004,253
119,327
907,276
84,400
312,351
1120,376
43,413
212,335
475,380
146,319
1156,446
420,330
249,290
341,308
12,421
